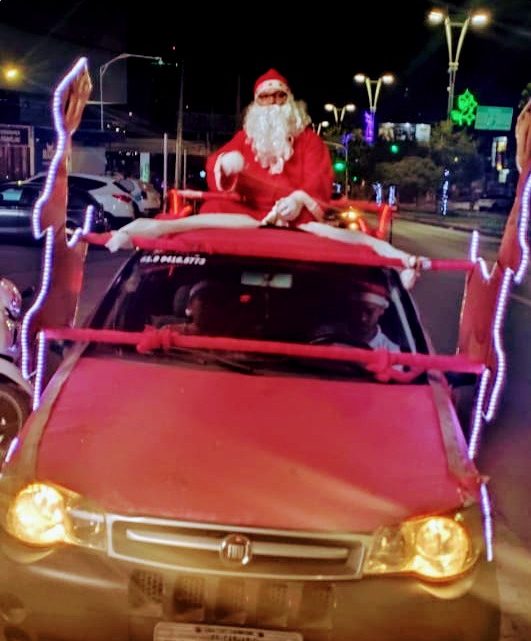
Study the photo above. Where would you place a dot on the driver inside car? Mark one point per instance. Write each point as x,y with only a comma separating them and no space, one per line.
366,303
366,306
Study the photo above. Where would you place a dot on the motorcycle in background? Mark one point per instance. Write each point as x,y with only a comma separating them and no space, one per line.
15,391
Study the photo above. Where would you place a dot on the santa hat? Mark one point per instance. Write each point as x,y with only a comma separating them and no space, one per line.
375,293
271,81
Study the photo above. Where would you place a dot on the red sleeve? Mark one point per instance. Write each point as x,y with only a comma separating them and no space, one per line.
317,170
235,144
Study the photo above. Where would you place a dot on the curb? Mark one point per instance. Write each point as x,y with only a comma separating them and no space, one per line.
457,227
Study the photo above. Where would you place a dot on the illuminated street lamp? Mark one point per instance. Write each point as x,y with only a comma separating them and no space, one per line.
106,65
370,116
11,73
339,112
323,124
477,18
386,79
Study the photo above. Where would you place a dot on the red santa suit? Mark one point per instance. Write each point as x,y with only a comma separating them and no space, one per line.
306,174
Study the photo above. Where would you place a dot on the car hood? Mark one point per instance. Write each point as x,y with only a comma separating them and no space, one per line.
275,451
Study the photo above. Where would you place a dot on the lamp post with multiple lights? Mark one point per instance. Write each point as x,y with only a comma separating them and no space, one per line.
370,118
339,115
477,18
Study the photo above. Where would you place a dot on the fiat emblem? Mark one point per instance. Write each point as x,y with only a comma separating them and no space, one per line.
236,548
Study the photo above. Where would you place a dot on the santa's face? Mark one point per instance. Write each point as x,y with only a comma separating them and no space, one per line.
271,128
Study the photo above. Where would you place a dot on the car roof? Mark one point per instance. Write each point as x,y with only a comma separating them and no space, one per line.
269,243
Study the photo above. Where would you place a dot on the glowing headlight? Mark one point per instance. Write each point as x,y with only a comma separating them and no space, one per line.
350,214
434,548
42,514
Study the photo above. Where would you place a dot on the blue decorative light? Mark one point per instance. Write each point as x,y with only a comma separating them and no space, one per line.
368,130
445,190
378,192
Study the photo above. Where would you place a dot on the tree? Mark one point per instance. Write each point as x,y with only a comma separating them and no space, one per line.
414,175
456,150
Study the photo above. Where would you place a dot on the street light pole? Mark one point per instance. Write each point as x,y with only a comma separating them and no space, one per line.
106,65
339,114
370,118
386,79
477,19
322,125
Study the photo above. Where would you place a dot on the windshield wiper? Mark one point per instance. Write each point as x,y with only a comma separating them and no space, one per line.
306,365
206,356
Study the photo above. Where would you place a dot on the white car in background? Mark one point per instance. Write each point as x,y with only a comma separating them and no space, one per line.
145,197
118,204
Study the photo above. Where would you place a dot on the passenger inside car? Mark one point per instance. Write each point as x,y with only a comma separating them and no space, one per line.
218,308
208,309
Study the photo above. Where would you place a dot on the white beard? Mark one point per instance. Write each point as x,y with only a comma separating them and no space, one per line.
271,130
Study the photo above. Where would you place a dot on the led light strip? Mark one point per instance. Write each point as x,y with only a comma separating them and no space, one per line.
487,521
12,447
473,255
48,234
82,231
501,308
522,232
38,303
477,421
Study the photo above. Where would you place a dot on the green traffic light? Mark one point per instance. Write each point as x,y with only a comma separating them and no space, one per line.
339,165
394,148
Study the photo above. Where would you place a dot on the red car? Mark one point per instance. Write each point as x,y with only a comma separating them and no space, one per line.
237,472
251,439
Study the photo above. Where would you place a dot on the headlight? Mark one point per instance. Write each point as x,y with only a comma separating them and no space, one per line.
42,514
436,548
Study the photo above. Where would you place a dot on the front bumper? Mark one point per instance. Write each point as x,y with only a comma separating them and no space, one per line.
74,594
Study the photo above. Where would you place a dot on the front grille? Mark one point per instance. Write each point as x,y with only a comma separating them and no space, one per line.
145,586
277,605
188,594
237,552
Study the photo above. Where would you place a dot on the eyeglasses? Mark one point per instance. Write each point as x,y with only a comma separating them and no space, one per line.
276,97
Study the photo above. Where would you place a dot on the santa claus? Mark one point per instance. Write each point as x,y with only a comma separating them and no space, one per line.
277,165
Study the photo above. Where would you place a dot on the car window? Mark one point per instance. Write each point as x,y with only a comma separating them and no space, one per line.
18,196
85,183
127,184
273,301
78,199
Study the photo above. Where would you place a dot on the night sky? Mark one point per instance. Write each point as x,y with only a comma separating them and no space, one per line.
318,50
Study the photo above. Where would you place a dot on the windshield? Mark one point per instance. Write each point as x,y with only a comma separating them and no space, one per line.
269,300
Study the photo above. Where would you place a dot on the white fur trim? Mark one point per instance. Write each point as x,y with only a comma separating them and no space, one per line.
353,237
271,85
371,297
152,228
217,172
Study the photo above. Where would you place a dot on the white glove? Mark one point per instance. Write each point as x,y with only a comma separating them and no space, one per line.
231,163
289,207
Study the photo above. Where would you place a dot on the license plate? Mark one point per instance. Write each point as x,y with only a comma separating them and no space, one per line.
168,631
